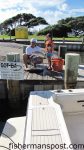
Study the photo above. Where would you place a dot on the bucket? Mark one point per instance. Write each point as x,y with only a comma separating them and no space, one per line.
57,64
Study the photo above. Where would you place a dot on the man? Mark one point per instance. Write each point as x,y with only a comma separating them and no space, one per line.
31,55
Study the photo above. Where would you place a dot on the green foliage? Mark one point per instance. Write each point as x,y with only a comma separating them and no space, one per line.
36,21
23,19
56,30
64,26
76,23
65,21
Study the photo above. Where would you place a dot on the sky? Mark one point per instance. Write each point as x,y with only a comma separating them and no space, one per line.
51,10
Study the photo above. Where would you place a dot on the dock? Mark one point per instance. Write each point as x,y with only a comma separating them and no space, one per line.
32,81
50,75
52,80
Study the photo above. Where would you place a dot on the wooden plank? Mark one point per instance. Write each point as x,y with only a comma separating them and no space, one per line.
3,89
48,76
44,77
43,87
38,87
39,77
14,93
30,76
35,76
58,86
26,73
48,87
25,90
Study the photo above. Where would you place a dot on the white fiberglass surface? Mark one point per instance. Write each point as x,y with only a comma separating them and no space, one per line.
72,106
75,126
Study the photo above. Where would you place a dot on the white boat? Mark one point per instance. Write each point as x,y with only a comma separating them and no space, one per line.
54,120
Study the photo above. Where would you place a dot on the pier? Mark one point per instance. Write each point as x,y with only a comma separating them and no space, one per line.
32,81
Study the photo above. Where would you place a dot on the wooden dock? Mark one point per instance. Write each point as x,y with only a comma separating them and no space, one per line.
50,75
51,80
42,75
18,94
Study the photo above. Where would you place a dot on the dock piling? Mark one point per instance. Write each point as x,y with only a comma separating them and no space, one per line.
71,70
62,51
13,85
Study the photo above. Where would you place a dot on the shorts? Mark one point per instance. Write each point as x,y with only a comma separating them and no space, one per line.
49,54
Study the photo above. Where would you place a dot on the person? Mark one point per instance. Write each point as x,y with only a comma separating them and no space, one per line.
49,47
30,55
49,54
49,39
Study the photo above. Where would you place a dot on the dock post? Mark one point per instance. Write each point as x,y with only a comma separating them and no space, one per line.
71,70
24,49
62,51
13,85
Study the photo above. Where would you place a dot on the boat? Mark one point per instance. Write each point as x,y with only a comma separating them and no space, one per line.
54,120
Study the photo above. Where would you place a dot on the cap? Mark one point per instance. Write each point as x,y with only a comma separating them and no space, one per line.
33,41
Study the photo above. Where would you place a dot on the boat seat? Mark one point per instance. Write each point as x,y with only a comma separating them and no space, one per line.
13,132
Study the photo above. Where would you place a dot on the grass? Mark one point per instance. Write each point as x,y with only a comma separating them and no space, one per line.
41,37
6,36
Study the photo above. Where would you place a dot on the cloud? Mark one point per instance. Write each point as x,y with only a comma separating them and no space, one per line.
5,4
52,11
63,7
81,10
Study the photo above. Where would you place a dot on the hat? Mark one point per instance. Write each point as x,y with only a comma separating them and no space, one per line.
33,41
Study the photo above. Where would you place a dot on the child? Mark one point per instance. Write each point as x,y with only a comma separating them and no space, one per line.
49,54
49,47
49,40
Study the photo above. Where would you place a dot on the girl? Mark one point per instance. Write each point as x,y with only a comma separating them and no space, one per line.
49,47
49,55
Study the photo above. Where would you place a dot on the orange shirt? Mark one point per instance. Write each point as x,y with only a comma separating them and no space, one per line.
47,43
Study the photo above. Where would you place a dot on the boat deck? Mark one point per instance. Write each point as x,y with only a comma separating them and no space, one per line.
49,115
45,123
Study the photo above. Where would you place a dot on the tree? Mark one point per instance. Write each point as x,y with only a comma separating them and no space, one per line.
23,19
17,20
56,30
36,21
